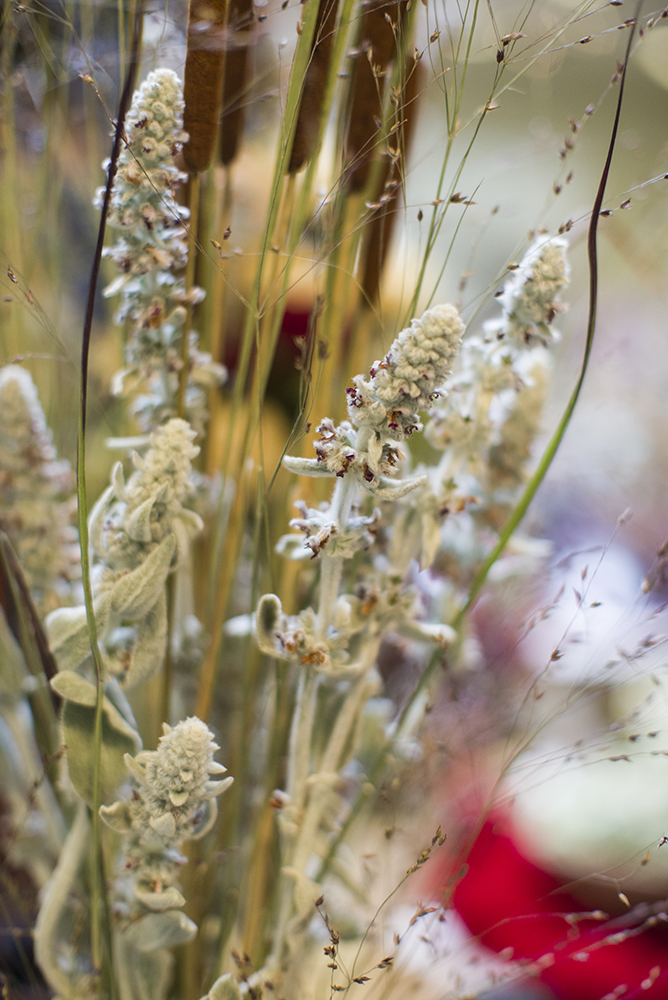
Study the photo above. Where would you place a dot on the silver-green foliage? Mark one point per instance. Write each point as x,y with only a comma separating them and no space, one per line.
140,533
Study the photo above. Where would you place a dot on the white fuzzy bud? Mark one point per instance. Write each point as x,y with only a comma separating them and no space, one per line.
403,384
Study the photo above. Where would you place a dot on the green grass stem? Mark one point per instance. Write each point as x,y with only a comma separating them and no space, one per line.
100,925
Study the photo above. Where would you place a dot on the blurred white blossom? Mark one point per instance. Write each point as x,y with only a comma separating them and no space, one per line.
37,502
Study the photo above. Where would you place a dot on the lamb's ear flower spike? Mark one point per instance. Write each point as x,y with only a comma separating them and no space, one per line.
150,252
418,362
37,503
530,299
496,370
383,407
174,800
140,532
491,415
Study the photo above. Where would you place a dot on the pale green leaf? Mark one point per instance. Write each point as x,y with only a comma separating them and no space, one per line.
163,930
134,594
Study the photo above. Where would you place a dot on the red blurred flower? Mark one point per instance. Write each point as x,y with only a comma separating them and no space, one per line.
508,902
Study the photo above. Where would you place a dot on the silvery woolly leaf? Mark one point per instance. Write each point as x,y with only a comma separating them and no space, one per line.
164,825
374,451
225,988
125,381
96,521
74,688
67,629
192,521
306,466
211,813
163,930
213,788
141,975
182,535
168,899
393,489
58,955
117,817
293,547
267,622
135,593
148,652
431,539
115,286
78,725
444,635
113,692
136,766
138,524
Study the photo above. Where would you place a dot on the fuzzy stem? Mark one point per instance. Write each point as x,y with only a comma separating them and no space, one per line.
300,736
328,768
331,567
299,760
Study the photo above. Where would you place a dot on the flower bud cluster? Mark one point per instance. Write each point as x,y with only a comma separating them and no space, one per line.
150,251
417,363
143,207
383,408
349,647
139,533
530,296
131,520
487,423
37,502
173,800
